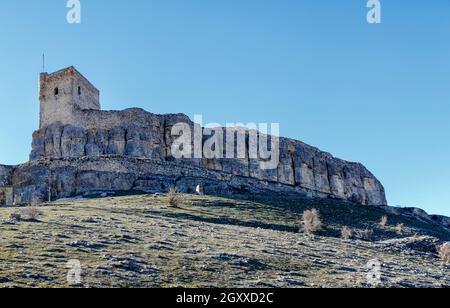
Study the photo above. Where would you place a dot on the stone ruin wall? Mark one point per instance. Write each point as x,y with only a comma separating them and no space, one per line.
135,133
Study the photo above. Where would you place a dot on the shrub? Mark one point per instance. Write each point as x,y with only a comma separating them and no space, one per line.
346,233
30,214
310,222
400,228
365,235
444,252
174,196
384,221
15,216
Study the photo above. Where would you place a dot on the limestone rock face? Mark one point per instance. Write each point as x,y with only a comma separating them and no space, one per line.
137,134
5,175
68,177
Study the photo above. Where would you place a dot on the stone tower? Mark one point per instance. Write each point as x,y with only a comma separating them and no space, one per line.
64,92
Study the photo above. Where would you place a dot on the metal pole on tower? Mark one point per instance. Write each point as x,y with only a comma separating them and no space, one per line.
43,63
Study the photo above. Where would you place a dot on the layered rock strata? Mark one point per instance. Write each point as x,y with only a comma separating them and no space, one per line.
101,139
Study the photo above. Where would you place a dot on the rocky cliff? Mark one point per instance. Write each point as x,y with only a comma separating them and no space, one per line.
131,149
5,175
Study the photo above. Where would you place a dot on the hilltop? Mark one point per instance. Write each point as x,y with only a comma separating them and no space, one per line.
140,241
80,148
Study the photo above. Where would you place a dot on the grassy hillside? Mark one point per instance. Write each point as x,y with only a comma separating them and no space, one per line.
140,241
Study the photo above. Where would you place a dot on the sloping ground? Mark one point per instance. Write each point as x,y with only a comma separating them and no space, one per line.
139,241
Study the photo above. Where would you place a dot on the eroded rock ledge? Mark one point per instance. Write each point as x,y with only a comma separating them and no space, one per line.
68,177
97,149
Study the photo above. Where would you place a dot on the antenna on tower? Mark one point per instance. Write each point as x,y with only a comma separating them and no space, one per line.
43,63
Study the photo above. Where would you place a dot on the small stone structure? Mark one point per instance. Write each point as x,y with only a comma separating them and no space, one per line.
80,149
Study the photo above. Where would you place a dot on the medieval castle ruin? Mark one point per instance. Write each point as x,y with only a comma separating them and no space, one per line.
81,150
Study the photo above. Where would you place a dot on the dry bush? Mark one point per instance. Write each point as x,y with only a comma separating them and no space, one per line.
174,196
15,216
310,222
366,235
383,221
400,228
346,233
30,214
444,252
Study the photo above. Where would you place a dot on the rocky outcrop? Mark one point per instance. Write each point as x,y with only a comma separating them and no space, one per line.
5,175
134,133
69,177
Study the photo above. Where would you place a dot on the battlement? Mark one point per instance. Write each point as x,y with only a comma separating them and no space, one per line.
64,92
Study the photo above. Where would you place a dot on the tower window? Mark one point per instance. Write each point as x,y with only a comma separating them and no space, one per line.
56,91
79,90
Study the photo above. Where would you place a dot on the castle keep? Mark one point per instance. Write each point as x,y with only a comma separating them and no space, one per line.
64,92
80,150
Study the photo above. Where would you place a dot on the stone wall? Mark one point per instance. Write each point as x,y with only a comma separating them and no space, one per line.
54,105
85,95
134,133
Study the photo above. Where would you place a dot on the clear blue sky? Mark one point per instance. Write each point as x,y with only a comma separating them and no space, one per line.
377,94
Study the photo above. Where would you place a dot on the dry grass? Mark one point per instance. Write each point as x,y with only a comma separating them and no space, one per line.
346,233
444,252
310,222
139,241
174,196
383,222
